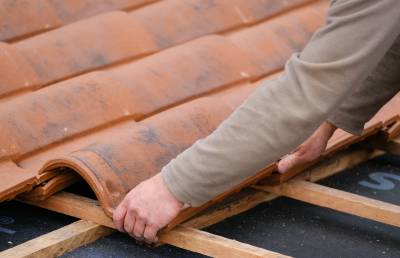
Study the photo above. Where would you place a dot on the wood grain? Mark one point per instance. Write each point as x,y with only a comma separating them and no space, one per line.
338,200
59,241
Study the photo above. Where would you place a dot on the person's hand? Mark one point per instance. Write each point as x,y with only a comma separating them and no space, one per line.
310,150
146,209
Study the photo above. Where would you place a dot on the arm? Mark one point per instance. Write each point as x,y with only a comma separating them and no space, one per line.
379,87
271,122
365,102
283,112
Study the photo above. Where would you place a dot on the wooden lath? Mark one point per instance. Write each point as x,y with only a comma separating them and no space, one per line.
338,200
59,241
181,236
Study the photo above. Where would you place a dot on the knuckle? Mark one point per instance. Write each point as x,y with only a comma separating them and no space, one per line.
141,215
156,224
132,209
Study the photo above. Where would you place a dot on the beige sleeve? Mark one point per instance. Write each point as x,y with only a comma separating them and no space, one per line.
379,87
280,114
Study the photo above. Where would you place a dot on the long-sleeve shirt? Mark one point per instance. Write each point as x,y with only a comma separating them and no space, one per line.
379,87
283,112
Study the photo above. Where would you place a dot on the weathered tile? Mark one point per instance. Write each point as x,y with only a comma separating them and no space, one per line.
16,74
74,10
19,18
86,45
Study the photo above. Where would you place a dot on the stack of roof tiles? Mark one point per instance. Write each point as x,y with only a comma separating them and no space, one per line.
114,89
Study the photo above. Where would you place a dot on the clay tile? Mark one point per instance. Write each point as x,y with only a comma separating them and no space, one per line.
60,112
147,148
85,45
186,71
14,180
262,9
70,11
15,73
271,43
176,21
235,96
26,17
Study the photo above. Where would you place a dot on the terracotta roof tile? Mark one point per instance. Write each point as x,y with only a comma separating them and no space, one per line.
15,73
177,74
59,112
148,101
74,10
175,21
83,46
153,142
23,18
197,18
263,9
271,43
26,17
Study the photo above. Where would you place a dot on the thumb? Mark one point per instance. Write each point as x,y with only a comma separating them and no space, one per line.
289,162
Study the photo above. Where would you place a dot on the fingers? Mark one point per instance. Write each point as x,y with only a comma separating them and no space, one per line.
150,234
289,162
129,223
139,228
119,216
145,209
126,220
292,160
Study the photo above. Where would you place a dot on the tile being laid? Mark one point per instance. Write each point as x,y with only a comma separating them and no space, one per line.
153,142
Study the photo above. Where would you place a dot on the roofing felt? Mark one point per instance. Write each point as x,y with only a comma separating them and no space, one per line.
114,95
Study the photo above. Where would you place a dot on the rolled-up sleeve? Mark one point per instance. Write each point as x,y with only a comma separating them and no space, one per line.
282,113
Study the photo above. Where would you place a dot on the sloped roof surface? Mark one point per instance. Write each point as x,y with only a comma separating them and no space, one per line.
114,89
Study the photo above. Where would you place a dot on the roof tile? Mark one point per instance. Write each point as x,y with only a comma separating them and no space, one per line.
15,73
82,46
184,72
74,10
271,43
194,18
263,9
26,17
153,142
198,18
17,181
60,112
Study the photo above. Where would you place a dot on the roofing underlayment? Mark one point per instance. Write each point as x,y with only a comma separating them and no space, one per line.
114,89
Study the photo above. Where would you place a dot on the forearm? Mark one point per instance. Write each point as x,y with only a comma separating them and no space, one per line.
282,113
